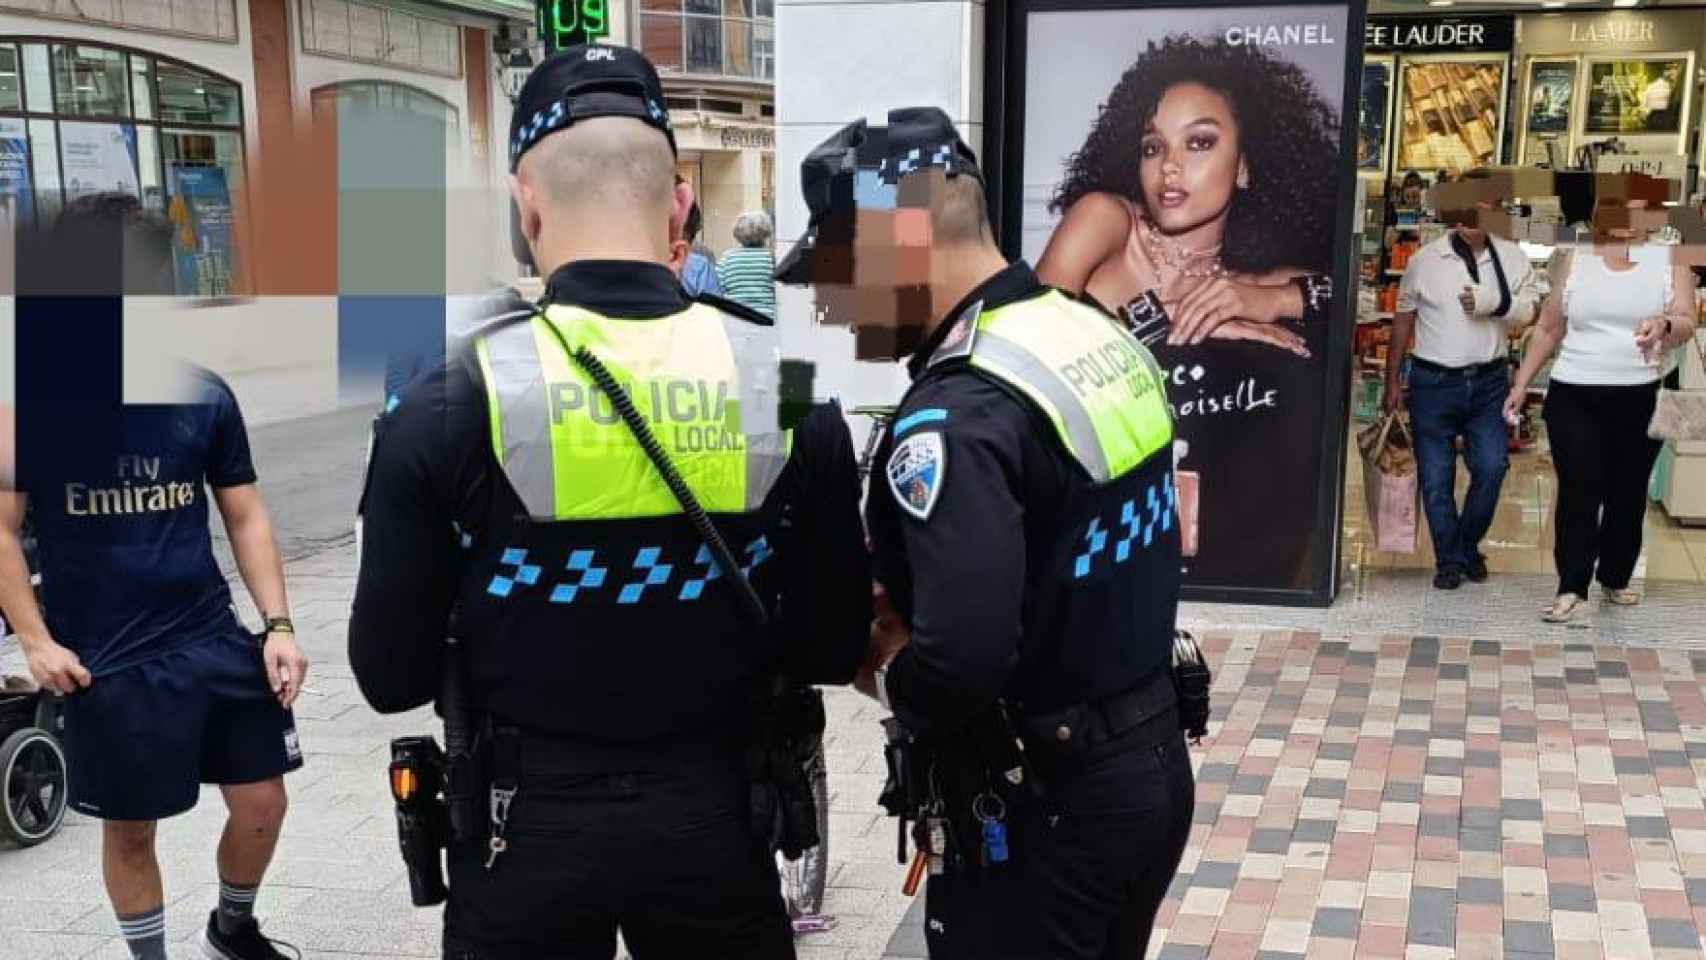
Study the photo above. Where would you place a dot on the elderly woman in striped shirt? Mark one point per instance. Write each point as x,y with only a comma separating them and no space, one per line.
747,272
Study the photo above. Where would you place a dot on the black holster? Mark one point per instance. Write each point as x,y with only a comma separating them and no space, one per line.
436,790
787,724
1192,679
423,823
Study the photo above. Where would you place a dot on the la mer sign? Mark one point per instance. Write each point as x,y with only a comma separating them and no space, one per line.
1615,31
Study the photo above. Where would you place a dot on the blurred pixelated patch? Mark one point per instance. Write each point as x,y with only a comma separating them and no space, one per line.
796,378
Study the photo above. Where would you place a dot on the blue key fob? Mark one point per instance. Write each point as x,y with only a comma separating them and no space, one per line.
995,840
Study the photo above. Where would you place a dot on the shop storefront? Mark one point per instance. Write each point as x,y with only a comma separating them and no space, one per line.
728,159
82,118
332,168
192,105
1585,92
717,59
1437,92
149,99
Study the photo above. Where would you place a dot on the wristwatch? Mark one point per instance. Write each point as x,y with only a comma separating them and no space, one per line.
280,625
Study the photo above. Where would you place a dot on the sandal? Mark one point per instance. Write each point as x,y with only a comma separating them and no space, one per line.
1563,609
1623,598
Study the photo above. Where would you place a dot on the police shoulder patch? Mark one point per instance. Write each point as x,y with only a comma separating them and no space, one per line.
915,472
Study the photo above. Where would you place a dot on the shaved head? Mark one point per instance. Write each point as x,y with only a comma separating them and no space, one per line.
599,166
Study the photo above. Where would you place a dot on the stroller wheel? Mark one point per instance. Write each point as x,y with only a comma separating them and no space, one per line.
32,786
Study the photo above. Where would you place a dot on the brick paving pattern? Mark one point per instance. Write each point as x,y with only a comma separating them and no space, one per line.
1430,798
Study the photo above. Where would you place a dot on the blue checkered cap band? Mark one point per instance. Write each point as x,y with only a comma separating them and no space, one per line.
546,122
543,122
918,158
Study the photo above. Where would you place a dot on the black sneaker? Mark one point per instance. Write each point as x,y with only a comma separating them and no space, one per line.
246,944
1448,580
1478,570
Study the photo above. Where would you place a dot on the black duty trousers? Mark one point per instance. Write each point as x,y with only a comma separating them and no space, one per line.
1604,460
1089,866
663,852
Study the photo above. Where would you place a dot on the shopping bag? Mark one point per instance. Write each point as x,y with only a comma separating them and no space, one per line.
1390,485
1189,484
1680,415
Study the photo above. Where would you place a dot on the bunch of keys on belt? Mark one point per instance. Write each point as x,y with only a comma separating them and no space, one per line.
932,837
990,811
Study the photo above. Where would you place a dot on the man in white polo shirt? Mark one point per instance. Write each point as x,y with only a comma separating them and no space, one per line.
1460,298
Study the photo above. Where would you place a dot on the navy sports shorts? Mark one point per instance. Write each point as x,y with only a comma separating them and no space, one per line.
140,742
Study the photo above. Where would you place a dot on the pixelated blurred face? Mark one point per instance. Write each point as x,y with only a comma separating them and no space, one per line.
1611,218
1477,204
1189,159
1629,208
882,287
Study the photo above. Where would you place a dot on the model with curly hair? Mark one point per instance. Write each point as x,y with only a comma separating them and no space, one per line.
1202,210
1206,190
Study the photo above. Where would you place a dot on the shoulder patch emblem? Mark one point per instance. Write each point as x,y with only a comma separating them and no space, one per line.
915,472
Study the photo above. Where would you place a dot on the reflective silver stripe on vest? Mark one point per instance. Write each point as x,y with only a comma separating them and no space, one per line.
519,381
1024,365
758,362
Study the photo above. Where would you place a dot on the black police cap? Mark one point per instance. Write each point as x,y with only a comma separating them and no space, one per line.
916,138
585,81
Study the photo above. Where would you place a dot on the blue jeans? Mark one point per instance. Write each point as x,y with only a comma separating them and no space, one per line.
1443,407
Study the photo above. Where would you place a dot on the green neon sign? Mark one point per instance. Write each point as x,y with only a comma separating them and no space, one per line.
564,23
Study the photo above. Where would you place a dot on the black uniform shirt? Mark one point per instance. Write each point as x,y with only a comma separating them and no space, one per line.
977,578
434,479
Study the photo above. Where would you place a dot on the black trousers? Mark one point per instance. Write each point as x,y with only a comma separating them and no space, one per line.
663,852
1089,866
1604,460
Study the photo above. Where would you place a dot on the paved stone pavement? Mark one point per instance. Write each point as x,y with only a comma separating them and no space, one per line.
1393,796
1388,796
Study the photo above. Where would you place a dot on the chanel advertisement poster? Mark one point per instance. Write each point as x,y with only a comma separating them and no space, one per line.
1214,142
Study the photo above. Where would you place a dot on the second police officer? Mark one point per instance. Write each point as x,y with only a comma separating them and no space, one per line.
610,655
1022,514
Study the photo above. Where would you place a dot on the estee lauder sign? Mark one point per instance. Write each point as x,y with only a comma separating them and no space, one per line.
1439,34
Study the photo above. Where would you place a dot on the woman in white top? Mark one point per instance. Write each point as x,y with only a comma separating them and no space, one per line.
1616,309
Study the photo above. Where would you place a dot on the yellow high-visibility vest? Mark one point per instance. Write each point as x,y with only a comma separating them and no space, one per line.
705,382
1100,388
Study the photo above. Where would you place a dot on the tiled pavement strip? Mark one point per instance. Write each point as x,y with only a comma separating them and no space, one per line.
1363,794
1422,798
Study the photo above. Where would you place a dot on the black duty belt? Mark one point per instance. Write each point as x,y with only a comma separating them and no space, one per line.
1472,370
549,752
1063,735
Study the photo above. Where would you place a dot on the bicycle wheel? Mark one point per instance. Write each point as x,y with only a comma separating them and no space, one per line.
803,880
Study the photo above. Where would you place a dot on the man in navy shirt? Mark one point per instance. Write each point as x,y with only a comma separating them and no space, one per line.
165,688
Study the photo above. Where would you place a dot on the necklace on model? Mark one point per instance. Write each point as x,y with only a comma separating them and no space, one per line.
1168,253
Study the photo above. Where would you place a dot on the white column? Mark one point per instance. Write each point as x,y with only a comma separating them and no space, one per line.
836,62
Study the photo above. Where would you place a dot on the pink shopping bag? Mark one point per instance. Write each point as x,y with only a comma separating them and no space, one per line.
1389,484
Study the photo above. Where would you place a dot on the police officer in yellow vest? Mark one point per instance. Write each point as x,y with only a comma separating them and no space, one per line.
610,656
1023,517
